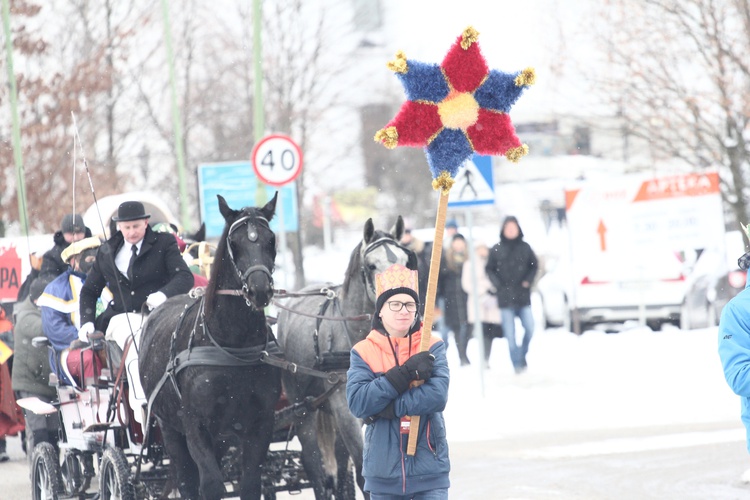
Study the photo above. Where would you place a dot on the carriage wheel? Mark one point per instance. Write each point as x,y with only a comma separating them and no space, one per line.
72,473
45,473
114,483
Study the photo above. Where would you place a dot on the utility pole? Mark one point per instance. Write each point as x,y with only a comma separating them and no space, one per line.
176,119
259,125
17,153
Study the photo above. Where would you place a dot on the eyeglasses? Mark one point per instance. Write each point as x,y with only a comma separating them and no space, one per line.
396,306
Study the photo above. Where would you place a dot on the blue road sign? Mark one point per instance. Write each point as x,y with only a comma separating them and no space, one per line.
475,184
237,183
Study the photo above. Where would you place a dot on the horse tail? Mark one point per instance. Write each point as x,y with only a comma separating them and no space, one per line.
327,442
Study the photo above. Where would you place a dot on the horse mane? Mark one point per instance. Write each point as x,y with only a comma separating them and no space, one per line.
218,264
352,271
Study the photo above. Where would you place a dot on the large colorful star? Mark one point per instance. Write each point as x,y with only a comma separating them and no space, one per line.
456,108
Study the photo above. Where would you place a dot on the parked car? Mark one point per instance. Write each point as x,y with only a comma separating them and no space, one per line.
553,287
639,284
715,280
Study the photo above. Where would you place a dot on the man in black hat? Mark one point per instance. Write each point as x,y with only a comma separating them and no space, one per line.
71,229
138,265
141,268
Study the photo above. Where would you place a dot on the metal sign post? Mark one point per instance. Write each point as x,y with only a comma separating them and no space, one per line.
474,186
277,161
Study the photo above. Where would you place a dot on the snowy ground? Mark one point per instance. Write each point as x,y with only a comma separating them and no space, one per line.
597,386
635,378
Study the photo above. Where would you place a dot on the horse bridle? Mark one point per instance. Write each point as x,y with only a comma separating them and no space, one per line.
252,235
384,242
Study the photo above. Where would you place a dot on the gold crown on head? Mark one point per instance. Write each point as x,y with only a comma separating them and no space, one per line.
396,276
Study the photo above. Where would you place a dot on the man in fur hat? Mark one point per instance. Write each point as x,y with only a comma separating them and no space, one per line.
60,317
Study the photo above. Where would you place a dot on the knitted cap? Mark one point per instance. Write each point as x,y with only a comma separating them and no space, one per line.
72,223
79,246
394,280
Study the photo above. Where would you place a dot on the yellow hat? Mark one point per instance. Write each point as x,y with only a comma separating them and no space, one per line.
394,280
79,246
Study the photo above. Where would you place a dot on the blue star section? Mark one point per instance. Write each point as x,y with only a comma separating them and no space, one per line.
424,82
499,92
448,152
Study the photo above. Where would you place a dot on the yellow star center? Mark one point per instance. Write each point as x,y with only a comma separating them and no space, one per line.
459,110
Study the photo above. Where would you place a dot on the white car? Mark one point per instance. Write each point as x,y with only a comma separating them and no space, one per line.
612,288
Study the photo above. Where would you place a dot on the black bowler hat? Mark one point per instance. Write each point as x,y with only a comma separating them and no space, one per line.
131,210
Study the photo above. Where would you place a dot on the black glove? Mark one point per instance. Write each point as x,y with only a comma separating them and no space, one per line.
420,366
399,378
386,412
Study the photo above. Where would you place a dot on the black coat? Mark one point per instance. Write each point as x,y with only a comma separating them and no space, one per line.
510,263
159,267
450,289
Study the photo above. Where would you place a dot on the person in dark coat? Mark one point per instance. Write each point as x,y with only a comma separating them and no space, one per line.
142,269
31,369
158,270
71,229
511,267
453,295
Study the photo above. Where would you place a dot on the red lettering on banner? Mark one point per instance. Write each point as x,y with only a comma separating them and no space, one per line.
678,186
10,272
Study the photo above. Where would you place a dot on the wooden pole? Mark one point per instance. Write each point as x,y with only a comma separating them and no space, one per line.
429,307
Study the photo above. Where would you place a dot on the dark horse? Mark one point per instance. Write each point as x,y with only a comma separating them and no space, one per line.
200,362
311,332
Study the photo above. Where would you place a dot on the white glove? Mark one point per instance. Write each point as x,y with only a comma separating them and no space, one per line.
85,330
155,300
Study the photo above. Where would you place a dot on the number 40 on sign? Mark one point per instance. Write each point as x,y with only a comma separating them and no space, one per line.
277,160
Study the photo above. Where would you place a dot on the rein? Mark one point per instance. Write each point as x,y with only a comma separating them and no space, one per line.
361,317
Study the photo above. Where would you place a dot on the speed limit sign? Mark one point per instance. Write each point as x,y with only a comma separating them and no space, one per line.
277,160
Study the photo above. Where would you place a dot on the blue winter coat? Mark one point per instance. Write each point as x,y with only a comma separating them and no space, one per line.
734,350
60,319
387,468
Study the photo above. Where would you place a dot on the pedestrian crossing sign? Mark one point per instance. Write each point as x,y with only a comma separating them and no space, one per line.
474,183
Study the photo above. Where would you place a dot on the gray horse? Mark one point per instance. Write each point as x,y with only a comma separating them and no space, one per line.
317,331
